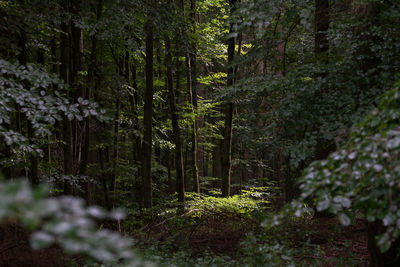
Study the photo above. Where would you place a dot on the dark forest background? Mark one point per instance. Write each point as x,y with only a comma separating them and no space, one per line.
204,120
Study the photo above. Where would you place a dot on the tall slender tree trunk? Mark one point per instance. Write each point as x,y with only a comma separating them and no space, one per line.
7,170
113,187
205,165
54,65
226,151
76,67
136,147
77,48
192,85
103,179
180,180
148,116
23,60
321,46
322,20
90,82
34,170
216,168
65,73
168,163
228,111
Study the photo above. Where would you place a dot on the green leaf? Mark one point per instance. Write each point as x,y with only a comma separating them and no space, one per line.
344,219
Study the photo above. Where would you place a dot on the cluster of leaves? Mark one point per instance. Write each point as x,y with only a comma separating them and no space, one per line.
65,221
38,96
246,205
302,102
363,175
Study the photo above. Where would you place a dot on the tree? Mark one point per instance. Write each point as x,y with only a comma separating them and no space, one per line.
360,177
148,116
262,88
192,82
321,43
228,112
180,184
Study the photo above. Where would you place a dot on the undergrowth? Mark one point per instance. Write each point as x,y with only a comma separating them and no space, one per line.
214,231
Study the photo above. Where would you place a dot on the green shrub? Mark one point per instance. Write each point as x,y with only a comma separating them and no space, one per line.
65,221
364,175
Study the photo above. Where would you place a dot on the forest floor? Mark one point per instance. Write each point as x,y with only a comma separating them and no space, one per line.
336,246
317,241
348,245
15,250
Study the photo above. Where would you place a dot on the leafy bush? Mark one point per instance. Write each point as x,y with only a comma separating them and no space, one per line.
30,89
246,204
209,230
67,222
364,175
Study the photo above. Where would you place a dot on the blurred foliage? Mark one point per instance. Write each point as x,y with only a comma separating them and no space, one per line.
301,102
29,90
362,176
67,222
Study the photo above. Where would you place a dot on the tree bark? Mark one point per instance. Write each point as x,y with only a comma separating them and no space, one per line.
115,150
180,180
65,75
228,111
148,117
77,48
216,168
90,82
104,180
322,20
168,163
192,84
23,60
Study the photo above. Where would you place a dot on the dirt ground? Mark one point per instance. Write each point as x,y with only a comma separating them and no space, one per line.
348,243
337,246
15,250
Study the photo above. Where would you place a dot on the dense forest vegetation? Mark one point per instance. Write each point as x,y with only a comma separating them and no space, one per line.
199,132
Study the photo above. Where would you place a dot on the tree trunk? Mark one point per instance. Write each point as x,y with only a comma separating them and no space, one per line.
168,163
228,111
66,76
180,180
226,151
77,66
321,26
192,85
217,159
115,150
23,60
77,48
104,180
148,117
90,82
7,170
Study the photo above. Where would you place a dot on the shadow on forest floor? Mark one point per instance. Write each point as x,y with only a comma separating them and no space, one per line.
340,244
337,246
15,250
